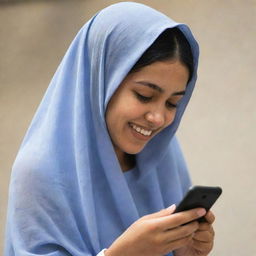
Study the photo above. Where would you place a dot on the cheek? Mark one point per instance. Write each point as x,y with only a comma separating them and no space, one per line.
121,111
128,108
170,117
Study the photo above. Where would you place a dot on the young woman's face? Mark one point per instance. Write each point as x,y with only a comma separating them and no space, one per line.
144,104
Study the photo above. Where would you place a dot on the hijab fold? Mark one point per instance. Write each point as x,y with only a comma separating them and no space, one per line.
68,195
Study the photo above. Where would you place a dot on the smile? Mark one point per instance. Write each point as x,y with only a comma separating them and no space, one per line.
141,130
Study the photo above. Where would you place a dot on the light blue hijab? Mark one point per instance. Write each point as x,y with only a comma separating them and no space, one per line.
68,195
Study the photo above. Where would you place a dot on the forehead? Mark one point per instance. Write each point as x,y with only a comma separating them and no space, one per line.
168,76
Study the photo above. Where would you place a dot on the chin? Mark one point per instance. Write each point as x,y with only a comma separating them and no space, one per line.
134,150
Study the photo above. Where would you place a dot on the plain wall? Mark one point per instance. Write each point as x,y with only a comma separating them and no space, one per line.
218,130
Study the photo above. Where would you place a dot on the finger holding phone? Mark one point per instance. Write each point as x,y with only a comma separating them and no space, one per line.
186,229
203,239
158,234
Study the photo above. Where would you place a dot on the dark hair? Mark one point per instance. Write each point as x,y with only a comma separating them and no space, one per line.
171,44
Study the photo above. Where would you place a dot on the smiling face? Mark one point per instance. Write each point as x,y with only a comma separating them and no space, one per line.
144,104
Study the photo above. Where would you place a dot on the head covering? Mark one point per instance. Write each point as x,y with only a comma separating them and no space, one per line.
68,195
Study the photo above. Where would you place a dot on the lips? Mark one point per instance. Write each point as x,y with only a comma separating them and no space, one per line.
141,130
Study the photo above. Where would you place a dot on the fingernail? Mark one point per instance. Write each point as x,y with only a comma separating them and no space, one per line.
201,212
172,207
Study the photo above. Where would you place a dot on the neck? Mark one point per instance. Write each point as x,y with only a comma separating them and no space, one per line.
126,161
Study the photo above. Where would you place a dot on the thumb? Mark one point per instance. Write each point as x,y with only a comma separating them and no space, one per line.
162,213
167,211
171,209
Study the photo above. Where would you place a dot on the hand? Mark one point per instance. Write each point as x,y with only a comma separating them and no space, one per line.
202,242
157,234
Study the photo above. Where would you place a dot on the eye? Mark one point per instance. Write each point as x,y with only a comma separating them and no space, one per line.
142,98
170,105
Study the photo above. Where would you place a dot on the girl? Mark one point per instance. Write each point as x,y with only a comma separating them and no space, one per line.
100,164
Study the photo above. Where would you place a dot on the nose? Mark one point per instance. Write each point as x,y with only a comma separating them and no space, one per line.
156,118
160,117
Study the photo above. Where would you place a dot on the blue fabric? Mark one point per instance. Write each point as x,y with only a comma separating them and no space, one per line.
68,195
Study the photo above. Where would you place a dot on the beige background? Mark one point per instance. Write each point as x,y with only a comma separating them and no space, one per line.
218,130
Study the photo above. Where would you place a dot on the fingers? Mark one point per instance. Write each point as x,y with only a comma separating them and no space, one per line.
205,227
189,215
173,245
202,246
176,235
209,217
181,231
203,236
178,219
165,212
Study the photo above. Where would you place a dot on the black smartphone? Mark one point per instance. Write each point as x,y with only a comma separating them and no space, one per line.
199,196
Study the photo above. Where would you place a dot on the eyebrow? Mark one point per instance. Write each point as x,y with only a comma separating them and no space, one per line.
157,88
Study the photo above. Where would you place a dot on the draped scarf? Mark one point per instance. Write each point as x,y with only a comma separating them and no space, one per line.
68,194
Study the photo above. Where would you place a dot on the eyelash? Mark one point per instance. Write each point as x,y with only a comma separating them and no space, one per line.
171,105
145,99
